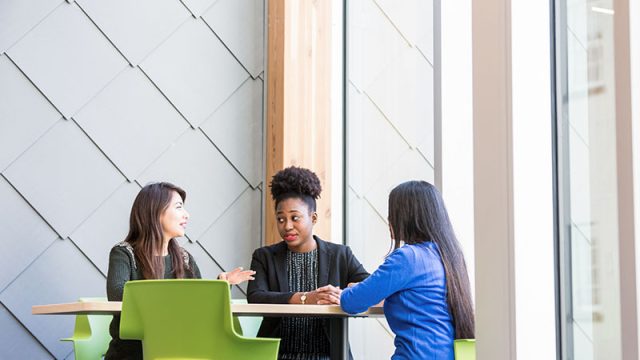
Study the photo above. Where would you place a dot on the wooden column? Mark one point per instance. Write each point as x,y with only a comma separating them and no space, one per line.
299,100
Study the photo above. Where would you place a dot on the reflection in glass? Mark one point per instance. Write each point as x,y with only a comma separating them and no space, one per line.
587,174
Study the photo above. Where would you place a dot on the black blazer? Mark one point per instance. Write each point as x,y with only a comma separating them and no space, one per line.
336,266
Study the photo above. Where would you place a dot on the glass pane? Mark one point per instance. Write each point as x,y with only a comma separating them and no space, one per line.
587,173
390,130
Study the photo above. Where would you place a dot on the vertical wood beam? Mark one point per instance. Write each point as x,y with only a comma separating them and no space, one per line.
299,99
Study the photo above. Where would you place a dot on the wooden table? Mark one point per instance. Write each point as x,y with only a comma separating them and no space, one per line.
338,318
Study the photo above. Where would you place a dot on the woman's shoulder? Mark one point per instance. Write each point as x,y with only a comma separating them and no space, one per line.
188,259
413,251
328,245
270,249
123,247
123,250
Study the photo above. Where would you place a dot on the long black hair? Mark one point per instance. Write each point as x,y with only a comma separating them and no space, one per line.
417,214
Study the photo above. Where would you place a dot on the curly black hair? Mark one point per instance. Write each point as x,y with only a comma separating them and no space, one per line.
296,182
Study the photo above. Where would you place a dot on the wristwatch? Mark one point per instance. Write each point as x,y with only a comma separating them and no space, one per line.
303,298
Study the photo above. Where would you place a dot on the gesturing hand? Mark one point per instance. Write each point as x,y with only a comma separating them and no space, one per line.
237,275
327,295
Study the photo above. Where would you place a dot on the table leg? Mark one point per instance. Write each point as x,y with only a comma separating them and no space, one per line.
339,338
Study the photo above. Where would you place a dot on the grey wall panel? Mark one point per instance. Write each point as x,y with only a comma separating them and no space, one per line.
68,58
383,144
411,166
107,226
374,42
64,176
19,16
208,267
198,7
406,98
60,177
369,227
225,16
414,20
136,27
16,342
239,120
24,234
211,183
132,122
195,71
24,113
60,274
233,244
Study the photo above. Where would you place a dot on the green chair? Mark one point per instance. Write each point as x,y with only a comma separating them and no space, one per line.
464,349
187,319
247,326
90,334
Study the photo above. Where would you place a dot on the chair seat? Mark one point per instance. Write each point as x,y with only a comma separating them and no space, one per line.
465,349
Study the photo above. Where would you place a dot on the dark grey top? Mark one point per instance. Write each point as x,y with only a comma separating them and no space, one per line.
303,338
122,268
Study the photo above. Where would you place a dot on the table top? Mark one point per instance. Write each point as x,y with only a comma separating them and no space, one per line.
114,307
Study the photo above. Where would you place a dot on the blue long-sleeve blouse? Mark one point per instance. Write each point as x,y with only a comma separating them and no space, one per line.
412,282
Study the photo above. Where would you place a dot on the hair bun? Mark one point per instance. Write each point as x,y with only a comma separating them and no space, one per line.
295,180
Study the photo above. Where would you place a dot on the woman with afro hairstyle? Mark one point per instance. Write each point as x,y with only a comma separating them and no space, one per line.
424,281
302,269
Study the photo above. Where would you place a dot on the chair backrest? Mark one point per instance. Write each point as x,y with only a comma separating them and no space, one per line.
91,334
186,318
465,349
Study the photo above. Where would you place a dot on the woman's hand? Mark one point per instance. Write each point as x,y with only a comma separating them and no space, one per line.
237,276
326,295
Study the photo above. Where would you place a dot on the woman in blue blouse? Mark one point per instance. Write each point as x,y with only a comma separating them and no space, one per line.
424,281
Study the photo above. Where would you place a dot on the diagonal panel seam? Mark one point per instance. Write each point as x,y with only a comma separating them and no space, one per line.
32,207
228,49
29,331
34,85
165,96
103,34
228,160
33,27
224,212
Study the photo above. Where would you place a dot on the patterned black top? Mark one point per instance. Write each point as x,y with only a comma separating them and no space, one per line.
303,338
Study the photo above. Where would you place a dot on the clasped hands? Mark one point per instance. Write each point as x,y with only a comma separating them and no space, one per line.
326,295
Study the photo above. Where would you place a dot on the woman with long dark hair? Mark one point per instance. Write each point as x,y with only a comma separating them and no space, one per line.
423,281
151,251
